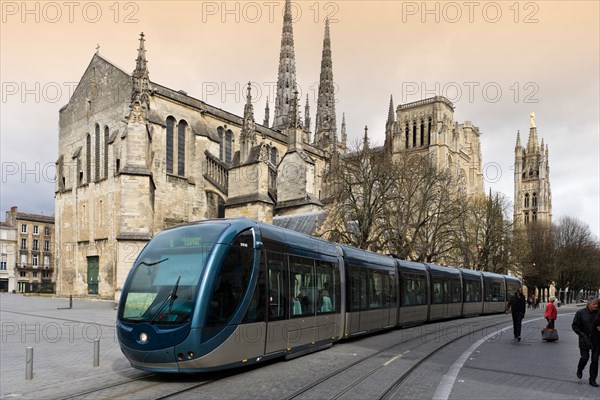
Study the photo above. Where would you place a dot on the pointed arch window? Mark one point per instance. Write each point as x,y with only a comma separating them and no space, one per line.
526,203
429,131
414,136
181,128
88,158
422,133
534,216
526,218
169,147
406,135
274,155
221,135
106,134
534,200
228,146
97,153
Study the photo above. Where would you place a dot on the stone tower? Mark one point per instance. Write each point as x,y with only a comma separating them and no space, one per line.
533,198
326,127
286,78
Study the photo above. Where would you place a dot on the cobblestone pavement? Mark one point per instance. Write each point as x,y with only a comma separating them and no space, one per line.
531,369
63,346
495,366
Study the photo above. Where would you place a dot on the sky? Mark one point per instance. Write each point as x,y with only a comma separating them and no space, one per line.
496,61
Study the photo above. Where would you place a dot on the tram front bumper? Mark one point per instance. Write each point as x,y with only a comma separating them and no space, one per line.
161,360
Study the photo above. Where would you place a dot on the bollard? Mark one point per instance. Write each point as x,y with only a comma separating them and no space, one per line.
96,352
29,363
70,304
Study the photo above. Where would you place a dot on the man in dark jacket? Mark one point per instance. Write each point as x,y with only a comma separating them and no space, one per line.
585,325
517,305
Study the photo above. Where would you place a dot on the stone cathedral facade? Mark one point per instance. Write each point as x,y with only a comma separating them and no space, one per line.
136,157
533,197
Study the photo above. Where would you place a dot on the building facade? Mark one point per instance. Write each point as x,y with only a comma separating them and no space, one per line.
533,197
427,128
30,257
136,157
8,257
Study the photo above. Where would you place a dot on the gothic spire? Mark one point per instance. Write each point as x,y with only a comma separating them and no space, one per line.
140,93
307,115
266,120
366,137
389,127
326,127
248,134
391,117
518,145
532,142
344,134
286,78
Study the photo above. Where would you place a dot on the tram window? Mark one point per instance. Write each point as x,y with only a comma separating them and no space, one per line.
256,310
455,291
358,289
230,283
277,286
302,286
499,287
374,289
328,285
385,290
415,290
494,291
439,289
472,291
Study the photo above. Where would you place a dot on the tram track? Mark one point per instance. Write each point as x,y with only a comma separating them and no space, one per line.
151,386
391,389
165,386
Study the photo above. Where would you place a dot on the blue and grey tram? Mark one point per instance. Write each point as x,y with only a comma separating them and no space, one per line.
225,293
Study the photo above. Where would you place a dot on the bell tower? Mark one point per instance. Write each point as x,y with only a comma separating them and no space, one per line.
533,197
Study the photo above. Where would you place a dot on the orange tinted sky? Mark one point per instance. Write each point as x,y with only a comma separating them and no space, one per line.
543,56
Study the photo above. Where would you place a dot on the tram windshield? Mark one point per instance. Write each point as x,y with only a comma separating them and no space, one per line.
166,274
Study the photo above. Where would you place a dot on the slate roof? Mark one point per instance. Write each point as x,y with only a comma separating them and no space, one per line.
307,223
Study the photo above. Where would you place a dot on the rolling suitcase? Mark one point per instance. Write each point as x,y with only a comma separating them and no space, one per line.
549,335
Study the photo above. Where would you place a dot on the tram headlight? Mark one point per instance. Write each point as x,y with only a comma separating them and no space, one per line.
143,338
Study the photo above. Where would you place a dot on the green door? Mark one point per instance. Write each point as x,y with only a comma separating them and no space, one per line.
92,275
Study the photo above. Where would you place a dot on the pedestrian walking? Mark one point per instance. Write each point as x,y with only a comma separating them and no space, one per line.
516,304
550,314
586,324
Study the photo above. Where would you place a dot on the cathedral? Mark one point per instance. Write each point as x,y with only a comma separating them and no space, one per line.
533,198
136,157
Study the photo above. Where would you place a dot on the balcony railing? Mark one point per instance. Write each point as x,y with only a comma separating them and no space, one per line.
30,267
217,172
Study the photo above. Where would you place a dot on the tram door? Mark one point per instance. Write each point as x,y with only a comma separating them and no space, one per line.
277,309
92,275
302,328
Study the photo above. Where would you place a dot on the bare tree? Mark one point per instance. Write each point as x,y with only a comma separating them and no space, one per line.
537,255
358,193
577,257
484,239
427,207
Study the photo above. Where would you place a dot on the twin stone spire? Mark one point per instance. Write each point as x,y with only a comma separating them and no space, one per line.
286,100
287,113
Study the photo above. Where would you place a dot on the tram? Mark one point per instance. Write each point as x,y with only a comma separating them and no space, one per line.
225,293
